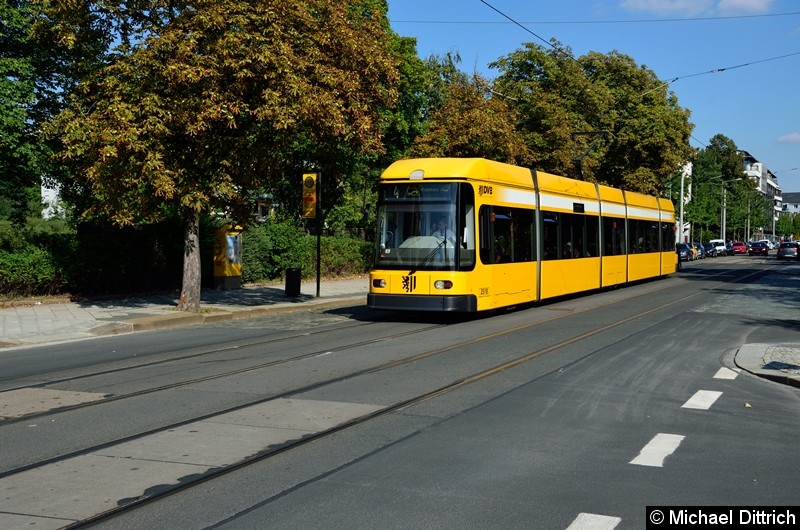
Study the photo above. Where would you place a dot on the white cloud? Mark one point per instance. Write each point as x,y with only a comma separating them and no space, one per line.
684,7
744,6
791,138
697,7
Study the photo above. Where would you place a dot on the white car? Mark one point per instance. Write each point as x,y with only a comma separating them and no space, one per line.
770,244
720,246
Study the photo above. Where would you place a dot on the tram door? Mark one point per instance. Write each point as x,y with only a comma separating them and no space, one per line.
508,253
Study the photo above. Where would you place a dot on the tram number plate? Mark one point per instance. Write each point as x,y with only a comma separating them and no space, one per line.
484,291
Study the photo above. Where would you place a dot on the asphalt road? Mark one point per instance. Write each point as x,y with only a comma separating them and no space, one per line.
620,400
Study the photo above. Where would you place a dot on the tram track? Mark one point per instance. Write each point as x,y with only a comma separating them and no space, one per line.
52,383
397,406
196,380
174,358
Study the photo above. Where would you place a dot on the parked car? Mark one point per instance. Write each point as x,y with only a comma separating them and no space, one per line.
758,248
719,244
684,252
738,247
701,252
788,250
710,250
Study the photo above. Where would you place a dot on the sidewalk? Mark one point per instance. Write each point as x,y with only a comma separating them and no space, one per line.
55,322
777,362
49,323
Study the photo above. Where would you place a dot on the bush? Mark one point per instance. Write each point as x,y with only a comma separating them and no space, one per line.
46,259
29,271
34,259
269,249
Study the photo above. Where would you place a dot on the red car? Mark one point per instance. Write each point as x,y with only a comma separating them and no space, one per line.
739,247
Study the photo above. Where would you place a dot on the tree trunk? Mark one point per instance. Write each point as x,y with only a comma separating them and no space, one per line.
190,290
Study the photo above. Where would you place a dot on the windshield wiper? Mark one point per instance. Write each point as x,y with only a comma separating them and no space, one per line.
430,255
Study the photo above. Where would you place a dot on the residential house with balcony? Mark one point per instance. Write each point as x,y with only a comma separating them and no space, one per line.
766,182
791,202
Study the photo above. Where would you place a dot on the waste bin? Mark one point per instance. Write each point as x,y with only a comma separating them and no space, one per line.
292,282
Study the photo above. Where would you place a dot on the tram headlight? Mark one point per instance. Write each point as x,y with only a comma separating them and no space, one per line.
442,284
379,283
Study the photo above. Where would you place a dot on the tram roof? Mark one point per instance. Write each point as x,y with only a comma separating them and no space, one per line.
500,173
469,168
489,171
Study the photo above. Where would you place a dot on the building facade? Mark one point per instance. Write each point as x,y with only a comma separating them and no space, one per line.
766,183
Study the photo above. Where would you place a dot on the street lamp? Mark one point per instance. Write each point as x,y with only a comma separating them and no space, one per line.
684,171
683,174
723,212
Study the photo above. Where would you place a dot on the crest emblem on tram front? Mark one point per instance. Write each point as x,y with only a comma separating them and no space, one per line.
409,283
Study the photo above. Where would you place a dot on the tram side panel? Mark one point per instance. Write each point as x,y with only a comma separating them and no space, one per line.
507,247
612,236
570,228
669,258
644,236
567,276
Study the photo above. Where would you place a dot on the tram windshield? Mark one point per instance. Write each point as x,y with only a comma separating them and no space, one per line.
425,226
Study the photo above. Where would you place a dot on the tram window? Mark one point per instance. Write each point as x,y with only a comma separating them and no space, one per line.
466,228
592,236
613,236
644,236
507,235
550,222
667,237
572,230
636,237
568,236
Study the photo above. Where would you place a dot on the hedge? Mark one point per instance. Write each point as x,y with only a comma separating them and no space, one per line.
102,259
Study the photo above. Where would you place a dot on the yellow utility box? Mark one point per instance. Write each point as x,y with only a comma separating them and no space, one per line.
228,258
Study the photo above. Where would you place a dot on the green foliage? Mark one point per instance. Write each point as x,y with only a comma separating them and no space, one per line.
468,123
268,250
33,260
719,166
788,225
48,257
20,150
202,112
204,105
646,132
29,271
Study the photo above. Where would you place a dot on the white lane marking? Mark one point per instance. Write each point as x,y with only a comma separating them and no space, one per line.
726,373
702,400
658,449
592,521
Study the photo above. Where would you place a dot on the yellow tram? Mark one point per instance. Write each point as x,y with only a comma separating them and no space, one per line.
473,235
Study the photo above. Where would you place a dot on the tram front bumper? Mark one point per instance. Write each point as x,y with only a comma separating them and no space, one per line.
403,302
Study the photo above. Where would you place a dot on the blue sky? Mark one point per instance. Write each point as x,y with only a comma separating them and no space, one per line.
755,100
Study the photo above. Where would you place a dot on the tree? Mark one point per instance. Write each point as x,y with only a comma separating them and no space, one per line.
203,102
787,225
38,71
22,154
463,120
645,133
719,166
